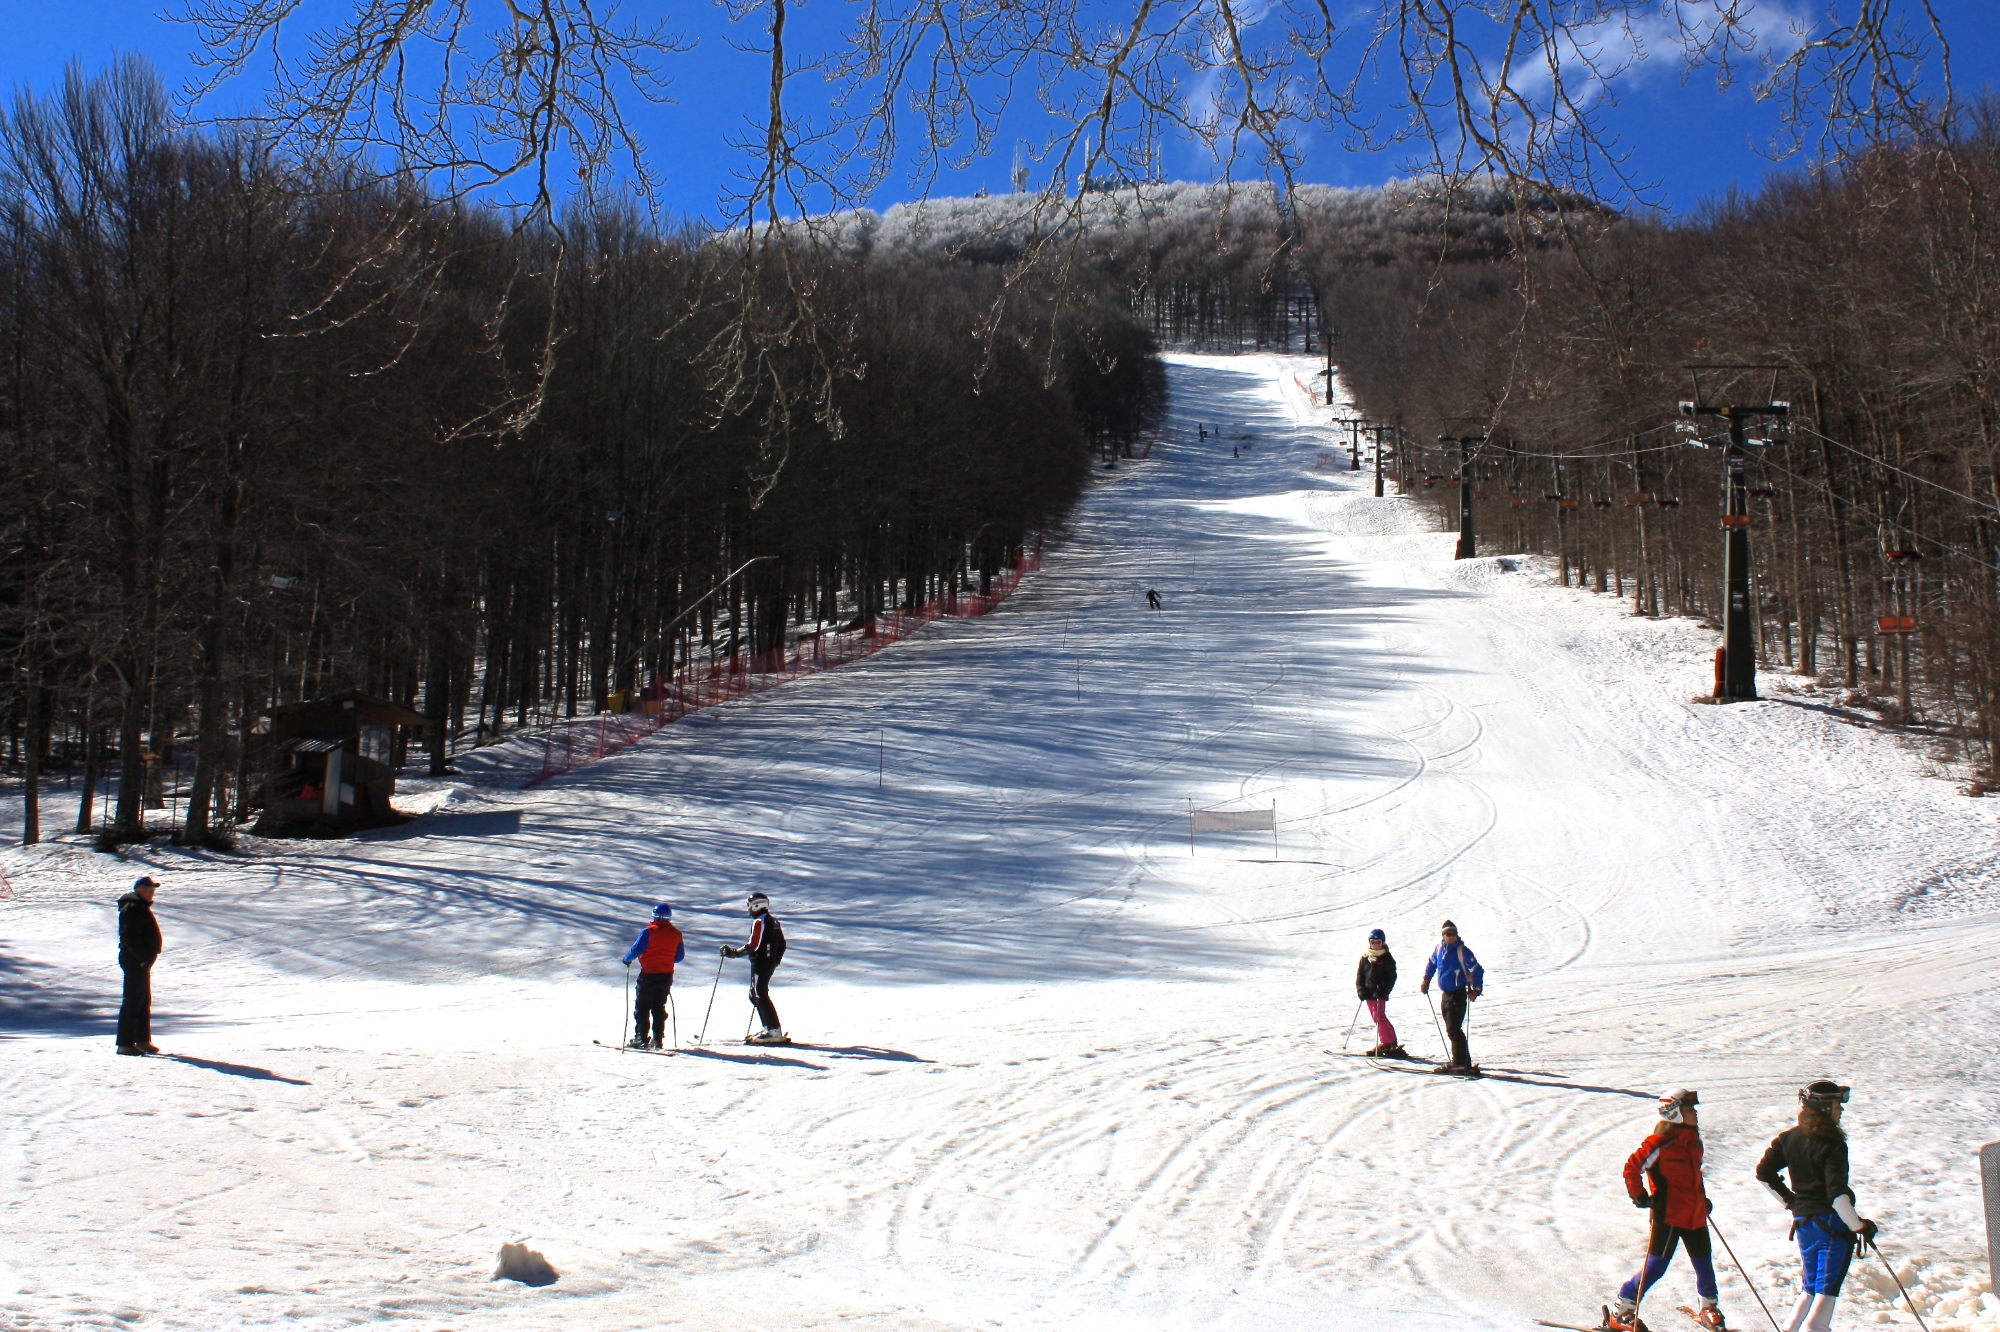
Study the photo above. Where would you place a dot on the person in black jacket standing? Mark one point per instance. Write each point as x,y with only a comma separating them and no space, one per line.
1813,1153
138,947
1373,980
766,949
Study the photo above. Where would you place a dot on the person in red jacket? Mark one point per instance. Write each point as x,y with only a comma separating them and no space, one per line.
1664,1177
656,950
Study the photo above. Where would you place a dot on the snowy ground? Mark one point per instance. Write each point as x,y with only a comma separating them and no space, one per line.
1061,1070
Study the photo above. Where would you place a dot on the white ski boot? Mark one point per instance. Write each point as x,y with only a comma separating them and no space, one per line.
768,1036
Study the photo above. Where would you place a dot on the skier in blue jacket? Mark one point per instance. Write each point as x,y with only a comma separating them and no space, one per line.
1462,979
657,949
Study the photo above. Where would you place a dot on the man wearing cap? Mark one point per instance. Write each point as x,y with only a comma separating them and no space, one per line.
138,948
1461,978
656,950
766,949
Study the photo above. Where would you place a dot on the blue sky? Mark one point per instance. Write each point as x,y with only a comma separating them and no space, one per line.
1687,139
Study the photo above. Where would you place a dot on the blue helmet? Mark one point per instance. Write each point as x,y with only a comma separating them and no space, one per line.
663,911
1376,936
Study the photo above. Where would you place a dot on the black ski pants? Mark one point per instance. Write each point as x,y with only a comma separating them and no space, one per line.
1454,1027
760,999
135,1011
654,986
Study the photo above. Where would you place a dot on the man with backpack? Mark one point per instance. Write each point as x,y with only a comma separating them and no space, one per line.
1461,978
766,949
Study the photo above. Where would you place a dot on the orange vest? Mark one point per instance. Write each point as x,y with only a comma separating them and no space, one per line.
661,947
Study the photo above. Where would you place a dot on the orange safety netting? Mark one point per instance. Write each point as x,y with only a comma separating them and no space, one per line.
570,745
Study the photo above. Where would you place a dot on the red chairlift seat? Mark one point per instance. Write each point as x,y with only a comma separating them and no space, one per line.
1639,497
1896,624
1899,555
1569,504
1668,503
1736,520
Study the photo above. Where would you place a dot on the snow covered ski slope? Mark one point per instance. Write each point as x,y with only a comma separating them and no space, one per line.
1057,1068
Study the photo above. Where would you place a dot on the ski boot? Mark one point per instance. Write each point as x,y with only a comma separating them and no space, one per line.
1395,1051
659,1043
636,1043
132,1049
768,1036
1375,1051
1623,1317
1709,1315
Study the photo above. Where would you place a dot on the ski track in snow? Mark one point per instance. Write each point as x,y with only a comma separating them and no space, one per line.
1061,1071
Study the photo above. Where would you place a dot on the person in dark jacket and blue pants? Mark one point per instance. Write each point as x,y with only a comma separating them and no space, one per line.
1806,1168
1462,979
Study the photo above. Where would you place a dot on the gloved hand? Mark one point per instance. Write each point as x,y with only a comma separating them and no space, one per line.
1424,987
727,951
1473,994
1641,1201
1867,1231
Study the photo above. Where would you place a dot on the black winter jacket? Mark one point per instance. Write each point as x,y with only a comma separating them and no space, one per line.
1375,977
138,932
766,948
1817,1166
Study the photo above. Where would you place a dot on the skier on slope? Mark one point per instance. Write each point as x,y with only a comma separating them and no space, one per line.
1813,1153
766,949
1462,979
1668,1163
1374,978
656,950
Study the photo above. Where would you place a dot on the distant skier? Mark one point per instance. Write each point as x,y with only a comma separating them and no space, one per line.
138,949
1664,1176
1813,1153
1152,598
656,950
1462,979
1374,978
766,949
1233,453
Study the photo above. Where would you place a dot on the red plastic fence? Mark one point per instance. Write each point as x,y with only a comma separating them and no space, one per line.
570,745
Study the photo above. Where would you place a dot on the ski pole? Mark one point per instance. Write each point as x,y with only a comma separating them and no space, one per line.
1745,1275
1899,1286
703,1038
674,1012
1350,1027
626,1014
1438,1026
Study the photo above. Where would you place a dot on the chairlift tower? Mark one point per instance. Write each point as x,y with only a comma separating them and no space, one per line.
1467,547
1736,681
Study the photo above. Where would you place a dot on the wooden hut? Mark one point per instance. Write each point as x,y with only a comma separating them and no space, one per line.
332,767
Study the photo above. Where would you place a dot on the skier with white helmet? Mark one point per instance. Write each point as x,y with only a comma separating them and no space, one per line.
765,949
1811,1157
1664,1177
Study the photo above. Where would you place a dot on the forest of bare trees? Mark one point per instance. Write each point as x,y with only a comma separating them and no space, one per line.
1864,297
269,434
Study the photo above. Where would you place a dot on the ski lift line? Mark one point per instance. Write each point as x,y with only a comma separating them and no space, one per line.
1901,527
1617,447
1955,494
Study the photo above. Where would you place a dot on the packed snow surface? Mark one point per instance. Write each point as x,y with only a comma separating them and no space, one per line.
1059,1067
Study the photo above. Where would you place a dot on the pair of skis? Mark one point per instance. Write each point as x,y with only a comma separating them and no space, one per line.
1396,1062
1605,1325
